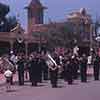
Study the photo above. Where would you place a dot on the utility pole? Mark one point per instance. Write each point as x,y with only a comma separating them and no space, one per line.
91,36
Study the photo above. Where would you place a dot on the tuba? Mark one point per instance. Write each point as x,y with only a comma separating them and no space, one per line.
51,62
20,39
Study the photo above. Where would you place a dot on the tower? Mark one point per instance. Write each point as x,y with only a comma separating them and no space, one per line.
35,14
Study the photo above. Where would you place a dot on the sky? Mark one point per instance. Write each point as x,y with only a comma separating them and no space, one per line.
57,9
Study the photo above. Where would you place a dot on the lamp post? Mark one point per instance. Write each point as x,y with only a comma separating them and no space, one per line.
91,36
40,41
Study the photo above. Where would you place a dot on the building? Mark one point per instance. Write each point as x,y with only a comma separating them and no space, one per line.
83,27
20,41
35,38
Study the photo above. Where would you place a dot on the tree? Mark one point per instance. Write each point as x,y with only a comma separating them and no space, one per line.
4,9
6,23
11,22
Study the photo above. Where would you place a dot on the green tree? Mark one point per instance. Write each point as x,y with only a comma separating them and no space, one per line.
4,9
6,23
11,22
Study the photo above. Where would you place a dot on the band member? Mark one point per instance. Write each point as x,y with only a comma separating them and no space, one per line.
53,70
75,65
65,67
69,70
83,68
44,67
33,69
96,67
60,64
39,66
20,64
29,66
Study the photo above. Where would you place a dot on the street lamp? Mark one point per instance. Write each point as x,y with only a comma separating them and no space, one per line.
91,36
40,41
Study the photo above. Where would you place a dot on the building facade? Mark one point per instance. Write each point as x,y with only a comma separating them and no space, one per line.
36,37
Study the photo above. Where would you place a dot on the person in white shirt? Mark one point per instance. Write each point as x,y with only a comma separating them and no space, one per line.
8,75
89,62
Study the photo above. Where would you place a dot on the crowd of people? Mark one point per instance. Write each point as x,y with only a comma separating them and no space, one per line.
51,66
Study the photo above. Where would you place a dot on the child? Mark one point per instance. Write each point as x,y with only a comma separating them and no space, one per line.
8,75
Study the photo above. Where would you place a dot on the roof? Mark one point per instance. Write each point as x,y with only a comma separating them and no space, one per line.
80,15
35,3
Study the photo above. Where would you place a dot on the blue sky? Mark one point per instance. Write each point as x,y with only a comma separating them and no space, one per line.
57,9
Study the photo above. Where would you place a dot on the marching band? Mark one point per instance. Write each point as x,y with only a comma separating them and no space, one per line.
50,66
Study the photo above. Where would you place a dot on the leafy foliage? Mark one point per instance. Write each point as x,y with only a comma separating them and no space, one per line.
6,23
4,9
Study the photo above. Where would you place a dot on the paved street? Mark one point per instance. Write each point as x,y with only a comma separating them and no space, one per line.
77,91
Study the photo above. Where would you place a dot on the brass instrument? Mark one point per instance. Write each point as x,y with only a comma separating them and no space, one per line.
51,62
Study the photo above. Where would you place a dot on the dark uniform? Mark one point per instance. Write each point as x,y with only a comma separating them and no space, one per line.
75,65
65,67
83,68
69,71
21,70
33,71
44,69
53,76
54,73
96,67
39,67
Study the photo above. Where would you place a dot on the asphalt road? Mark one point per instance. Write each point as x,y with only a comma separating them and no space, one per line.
77,91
